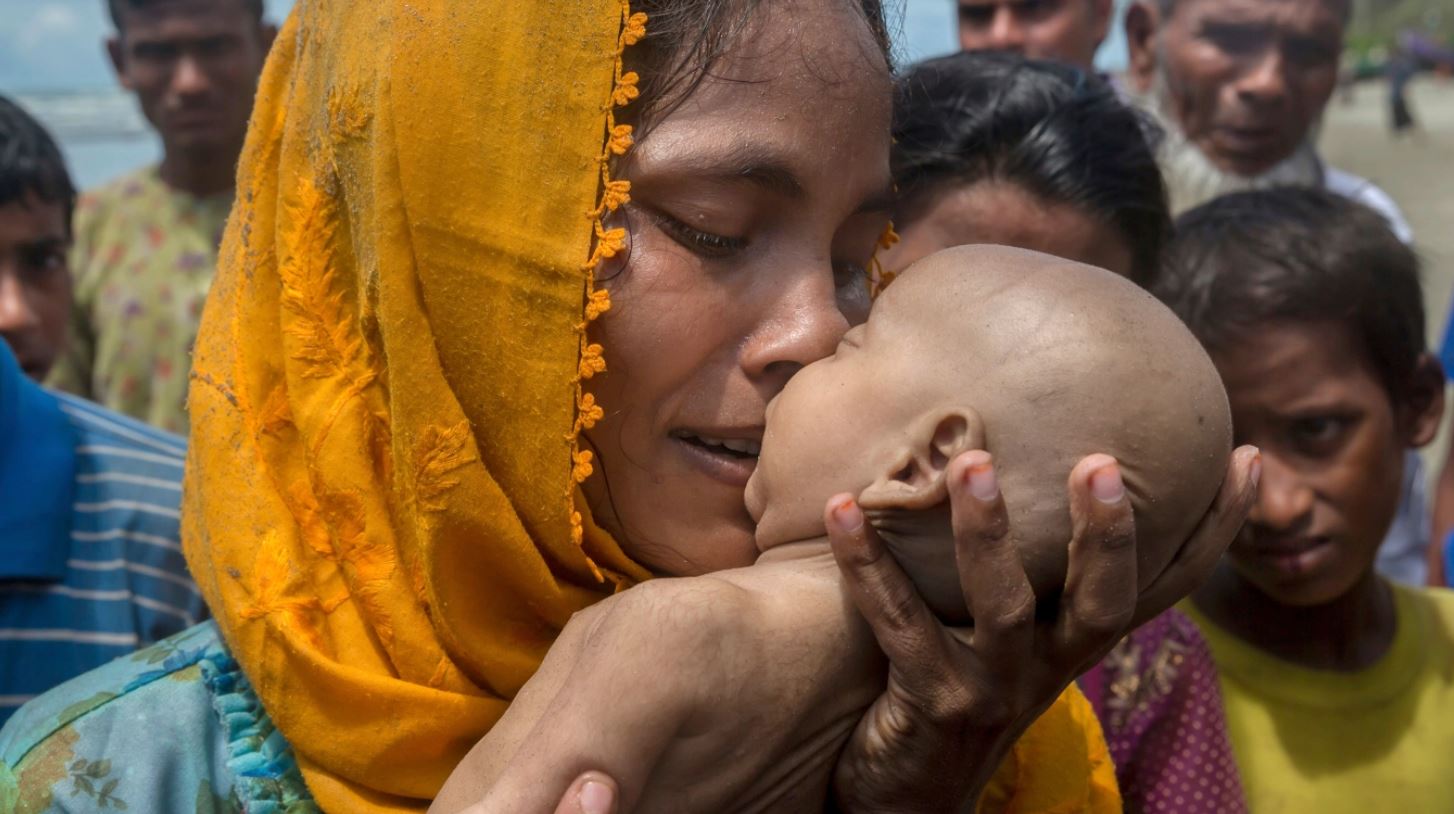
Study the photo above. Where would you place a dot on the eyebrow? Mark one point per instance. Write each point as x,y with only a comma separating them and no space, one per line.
44,243
765,168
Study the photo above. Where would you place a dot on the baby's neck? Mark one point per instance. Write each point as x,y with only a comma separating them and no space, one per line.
816,550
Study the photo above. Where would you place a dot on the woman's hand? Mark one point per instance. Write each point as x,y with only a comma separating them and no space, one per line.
958,699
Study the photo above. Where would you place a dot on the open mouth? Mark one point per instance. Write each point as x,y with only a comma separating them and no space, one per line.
733,447
729,460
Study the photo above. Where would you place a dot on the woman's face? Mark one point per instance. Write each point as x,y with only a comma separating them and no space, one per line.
756,205
1007,214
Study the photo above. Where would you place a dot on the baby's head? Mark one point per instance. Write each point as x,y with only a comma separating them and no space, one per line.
1037,360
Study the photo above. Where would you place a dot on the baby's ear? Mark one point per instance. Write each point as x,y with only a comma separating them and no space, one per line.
918,478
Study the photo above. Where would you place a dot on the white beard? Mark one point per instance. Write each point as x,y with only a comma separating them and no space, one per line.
1192,179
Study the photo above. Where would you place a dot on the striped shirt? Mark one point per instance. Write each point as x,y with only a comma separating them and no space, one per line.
116,579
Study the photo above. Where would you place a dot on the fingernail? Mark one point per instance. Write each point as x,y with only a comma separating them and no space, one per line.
1106,485
1255,472
596,798
983,483
848,516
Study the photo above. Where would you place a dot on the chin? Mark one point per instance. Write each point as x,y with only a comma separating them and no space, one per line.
1309,592
708,542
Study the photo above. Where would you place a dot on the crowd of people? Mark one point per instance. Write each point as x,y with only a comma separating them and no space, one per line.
501,471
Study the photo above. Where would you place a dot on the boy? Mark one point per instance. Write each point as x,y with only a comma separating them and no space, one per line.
953,355
90,563
146,243
1338,685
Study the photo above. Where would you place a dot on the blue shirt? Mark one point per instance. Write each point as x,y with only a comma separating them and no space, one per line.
91,563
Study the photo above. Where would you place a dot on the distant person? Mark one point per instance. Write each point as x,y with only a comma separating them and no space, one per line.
994,148
90,562
1239,86
1402,67
1338,685
146,243
1069,31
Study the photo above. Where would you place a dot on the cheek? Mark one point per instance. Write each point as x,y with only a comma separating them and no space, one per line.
1199,77
53,306
1369,484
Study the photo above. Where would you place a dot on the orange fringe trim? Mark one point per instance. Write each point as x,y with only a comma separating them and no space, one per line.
878,276
608,244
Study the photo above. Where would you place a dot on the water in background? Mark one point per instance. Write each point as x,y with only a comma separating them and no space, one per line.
101,133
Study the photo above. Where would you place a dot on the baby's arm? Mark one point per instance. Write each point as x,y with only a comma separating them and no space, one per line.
609,697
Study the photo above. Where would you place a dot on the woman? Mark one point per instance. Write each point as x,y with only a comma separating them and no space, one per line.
399,388
995,149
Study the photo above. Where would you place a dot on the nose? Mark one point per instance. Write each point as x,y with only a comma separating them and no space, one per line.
1006,33
1264,83
188,78
1284,499
800,324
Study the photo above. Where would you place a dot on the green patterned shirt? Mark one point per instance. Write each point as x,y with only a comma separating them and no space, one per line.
143,259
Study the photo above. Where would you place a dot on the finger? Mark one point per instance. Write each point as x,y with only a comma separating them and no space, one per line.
592,793
991,574
1100,583
906,630
1202,551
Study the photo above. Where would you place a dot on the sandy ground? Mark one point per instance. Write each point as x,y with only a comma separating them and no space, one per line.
1418,171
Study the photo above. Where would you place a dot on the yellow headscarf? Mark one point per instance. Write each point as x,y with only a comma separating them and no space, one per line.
380,501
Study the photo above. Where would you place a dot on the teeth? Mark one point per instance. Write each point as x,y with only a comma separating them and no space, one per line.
736,445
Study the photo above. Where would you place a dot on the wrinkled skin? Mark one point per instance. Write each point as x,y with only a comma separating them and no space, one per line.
1243,80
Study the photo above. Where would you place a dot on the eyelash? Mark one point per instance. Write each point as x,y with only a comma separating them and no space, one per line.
706,244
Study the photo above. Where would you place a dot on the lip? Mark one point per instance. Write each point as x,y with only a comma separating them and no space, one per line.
194,120
1292,558
1248,139
731,470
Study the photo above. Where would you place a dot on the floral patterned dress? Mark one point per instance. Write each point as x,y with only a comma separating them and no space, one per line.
172,728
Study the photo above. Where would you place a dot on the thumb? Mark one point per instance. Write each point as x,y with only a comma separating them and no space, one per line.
591,793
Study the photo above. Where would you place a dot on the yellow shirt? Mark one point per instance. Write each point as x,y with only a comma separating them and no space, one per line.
1380,739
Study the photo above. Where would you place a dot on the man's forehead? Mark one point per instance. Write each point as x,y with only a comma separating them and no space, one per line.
159,15
1268,12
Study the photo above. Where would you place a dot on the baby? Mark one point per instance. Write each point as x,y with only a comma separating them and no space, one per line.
1039,361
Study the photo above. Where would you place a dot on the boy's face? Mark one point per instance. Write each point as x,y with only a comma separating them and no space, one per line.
35,282
1332,449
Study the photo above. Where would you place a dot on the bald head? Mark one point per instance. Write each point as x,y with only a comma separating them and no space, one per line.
1038,360
1061,360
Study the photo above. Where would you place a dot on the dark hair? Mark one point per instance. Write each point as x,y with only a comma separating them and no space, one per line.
685,38
116,7
30,162
1056,131
1298,254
